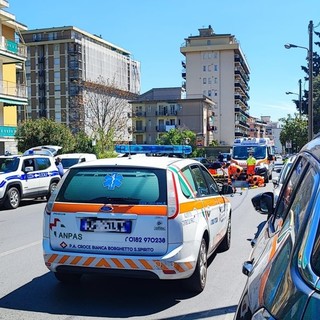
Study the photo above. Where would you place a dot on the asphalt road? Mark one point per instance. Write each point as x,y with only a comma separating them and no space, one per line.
29,292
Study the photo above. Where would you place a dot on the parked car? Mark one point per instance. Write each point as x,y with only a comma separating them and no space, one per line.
160,218
22,177
283,269
278,182
278,163
70,159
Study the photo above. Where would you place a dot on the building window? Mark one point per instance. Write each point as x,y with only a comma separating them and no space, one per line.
215,80
204,92
216,93
215,67
204,68
209,93
215,55
209,80
204,80
209,55
205,55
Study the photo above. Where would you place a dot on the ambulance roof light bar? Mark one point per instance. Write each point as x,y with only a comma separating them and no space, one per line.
153,149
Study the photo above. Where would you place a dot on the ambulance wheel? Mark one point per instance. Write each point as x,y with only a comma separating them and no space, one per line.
226,241
12,199
67,277
197,282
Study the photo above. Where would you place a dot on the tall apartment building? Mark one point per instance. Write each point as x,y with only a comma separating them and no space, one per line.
216,67
161,109
13,93
62,62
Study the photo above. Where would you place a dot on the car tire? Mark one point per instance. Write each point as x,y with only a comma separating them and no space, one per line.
67,277
226,241
12,198
52,186
197,281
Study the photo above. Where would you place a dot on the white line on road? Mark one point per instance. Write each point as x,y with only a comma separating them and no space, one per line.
19,249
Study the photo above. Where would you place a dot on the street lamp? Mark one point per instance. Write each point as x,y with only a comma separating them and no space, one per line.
310,67
299,95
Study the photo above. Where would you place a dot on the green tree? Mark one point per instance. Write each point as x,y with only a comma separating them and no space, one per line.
44,131
83,143
179,136
316,104
295,130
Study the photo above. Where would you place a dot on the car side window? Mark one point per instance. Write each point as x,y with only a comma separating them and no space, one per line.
288,192
42,163
213,187
299,208
199,181
28,163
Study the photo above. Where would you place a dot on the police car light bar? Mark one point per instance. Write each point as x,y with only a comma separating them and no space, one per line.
141,148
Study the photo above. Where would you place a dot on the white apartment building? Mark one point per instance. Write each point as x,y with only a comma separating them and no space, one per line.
63,63
216,67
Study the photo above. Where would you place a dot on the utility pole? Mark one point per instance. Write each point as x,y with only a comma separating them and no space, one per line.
310,94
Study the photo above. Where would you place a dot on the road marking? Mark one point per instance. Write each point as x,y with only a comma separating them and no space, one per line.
20,248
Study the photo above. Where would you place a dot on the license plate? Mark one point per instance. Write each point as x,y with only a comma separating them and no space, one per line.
105,225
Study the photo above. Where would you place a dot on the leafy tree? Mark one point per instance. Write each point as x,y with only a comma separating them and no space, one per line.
44,131
316,104
316,93
295,130
83,143
179,136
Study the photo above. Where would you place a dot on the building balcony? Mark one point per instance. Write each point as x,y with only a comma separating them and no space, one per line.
12,93
139,129
166,113
4,4
165,128
11,51
138,114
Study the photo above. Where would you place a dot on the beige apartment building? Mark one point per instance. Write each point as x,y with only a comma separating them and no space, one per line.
13,93
161,109
216,67
63,63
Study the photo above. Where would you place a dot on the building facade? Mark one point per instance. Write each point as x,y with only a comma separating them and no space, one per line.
13,93
216,67
63,62
162,109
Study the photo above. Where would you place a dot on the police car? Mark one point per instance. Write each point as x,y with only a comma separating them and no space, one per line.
30,176
148,217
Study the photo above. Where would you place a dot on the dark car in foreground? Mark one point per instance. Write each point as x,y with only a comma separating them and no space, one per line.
283,270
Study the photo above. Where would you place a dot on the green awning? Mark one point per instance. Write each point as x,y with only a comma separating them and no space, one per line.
13,102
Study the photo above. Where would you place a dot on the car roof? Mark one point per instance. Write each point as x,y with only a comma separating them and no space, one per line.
75,155
148,162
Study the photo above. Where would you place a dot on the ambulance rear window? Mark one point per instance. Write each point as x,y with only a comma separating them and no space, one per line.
115,185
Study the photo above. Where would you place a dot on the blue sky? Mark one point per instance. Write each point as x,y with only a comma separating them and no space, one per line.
154,30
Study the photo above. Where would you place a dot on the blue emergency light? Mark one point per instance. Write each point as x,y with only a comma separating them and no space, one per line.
155,149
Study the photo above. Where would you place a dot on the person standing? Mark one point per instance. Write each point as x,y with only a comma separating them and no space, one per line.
59,166
251,164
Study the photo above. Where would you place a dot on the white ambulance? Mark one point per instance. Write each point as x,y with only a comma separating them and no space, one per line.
149,217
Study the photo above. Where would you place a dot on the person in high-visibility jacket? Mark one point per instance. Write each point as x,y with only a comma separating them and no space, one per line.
256,180
234,172
251,164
